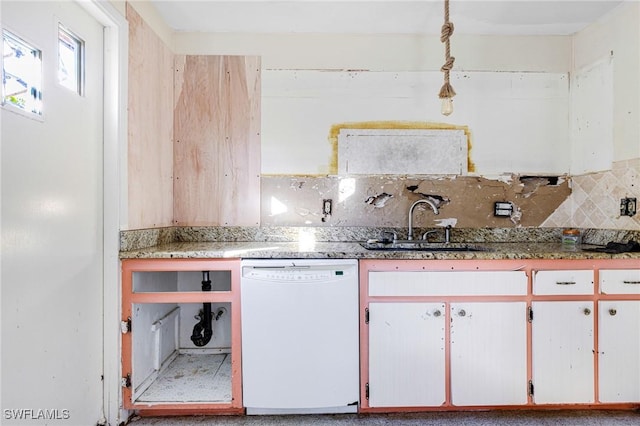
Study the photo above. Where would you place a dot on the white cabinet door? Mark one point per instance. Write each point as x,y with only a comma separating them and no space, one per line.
406,354
619,351
562,352
489,353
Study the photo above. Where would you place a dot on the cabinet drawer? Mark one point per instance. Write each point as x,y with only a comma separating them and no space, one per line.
620,281
563,282
450,283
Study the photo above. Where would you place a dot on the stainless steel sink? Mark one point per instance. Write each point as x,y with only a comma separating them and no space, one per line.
420,245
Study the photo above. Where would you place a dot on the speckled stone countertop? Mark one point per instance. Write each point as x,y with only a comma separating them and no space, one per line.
307,243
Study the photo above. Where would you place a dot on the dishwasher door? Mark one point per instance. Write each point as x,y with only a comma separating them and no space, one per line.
300,336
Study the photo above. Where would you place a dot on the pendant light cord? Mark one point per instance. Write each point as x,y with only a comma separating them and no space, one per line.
447,30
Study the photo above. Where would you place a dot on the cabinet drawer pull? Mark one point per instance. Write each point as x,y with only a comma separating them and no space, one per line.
612,312
461,313
565,282
587,311
437,313
630,282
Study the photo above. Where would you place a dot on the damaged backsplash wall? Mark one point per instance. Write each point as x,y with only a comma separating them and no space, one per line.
463,201
595,199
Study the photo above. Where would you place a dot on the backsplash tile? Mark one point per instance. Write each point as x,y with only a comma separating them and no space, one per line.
595,199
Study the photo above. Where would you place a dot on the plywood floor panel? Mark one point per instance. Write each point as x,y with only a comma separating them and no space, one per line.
193,378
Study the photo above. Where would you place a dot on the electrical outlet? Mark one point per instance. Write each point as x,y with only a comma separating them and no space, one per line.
628,206
327,206
502,209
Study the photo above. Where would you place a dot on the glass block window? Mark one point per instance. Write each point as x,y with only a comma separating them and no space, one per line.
70,60
21,74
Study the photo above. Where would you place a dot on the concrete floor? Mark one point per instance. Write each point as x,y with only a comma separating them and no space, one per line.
477,418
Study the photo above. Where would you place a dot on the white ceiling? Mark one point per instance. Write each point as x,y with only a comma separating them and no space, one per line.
523,17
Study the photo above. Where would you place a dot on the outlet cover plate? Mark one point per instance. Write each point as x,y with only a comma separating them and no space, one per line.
628,206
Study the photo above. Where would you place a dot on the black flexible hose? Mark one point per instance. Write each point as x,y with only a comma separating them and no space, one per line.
202,331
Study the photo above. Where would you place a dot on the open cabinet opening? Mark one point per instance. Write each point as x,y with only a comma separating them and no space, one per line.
182,349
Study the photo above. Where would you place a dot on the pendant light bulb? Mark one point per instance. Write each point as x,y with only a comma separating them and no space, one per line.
447,106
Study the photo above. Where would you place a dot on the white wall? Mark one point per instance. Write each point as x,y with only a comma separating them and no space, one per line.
618,36
385,52
512,93
515,119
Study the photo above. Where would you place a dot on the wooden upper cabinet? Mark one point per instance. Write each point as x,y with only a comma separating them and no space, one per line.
217,140
150,128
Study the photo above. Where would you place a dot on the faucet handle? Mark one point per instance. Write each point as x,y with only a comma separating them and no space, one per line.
447,234
425,236
385,234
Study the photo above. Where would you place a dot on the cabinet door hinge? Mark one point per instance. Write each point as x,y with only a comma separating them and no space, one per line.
366,315
125,326
366,390
125,381
530,385
530,314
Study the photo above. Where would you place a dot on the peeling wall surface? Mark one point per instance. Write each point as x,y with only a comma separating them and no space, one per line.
385,200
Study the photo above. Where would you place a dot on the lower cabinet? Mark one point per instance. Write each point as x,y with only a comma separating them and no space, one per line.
406,354
488,353
457,348
618,336
563,352
619,351
468,334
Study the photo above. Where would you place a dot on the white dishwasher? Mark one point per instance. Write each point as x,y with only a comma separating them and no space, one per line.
300,336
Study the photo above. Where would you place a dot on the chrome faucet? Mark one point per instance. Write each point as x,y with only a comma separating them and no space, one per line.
413,206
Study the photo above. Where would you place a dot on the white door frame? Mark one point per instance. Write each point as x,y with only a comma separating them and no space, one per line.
116,56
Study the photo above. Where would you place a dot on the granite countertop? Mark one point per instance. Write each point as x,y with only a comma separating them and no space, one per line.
319,250
344,242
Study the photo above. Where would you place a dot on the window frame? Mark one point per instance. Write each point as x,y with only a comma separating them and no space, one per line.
8,106
80,58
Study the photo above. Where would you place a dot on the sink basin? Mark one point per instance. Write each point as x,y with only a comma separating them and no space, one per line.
420,245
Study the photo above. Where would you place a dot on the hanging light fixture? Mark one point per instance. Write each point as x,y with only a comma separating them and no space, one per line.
446,92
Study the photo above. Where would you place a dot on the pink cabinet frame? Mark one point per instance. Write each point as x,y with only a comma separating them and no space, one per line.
130,266
527,265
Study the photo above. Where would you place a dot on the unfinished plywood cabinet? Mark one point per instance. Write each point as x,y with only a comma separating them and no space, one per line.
150,127
217,140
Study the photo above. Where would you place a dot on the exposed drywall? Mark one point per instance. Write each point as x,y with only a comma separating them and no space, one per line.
384,200
150,127
336,129
517,119
402,151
